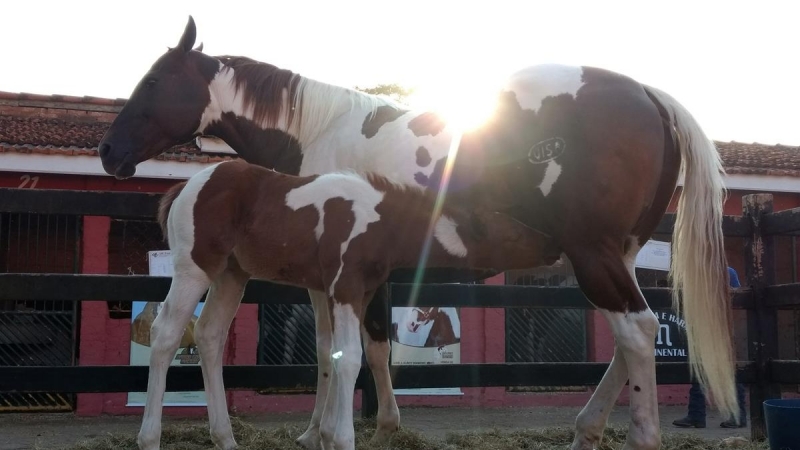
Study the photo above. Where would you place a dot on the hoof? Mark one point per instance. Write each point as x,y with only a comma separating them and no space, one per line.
584,443
382,436
310,440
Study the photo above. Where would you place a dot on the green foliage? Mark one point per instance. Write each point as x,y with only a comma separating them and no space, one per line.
394,91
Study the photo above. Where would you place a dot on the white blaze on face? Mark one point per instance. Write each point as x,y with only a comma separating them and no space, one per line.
349,187
445,232
549,80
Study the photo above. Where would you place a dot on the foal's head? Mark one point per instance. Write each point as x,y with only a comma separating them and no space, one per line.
419,316
164,109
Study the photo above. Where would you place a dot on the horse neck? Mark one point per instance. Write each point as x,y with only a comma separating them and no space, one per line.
322,105
304,115
227,103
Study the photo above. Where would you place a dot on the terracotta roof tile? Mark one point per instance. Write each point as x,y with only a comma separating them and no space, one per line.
760,159
86,100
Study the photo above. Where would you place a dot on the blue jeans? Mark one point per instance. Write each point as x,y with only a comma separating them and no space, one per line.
697,402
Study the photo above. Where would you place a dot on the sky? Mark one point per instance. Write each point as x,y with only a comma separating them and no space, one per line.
734,64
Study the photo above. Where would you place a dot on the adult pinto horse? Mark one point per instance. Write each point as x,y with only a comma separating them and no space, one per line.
587,156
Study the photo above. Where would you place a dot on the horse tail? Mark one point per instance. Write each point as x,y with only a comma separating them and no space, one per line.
166,204
699,266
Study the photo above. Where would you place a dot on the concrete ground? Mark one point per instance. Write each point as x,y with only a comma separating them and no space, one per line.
51,431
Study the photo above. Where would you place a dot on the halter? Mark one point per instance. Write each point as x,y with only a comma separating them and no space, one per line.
425,316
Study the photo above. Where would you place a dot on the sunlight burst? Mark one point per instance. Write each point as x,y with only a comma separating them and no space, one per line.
464,106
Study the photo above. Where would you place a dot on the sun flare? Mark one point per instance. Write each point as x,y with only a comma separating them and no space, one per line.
464,107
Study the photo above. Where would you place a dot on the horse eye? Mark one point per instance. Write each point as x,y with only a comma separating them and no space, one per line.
150,82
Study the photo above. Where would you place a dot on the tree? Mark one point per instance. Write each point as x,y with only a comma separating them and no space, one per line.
394,91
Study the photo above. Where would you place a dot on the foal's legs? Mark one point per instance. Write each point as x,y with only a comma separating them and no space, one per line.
211,332
319,301
188,284
375,335
607,278
337,424
377,352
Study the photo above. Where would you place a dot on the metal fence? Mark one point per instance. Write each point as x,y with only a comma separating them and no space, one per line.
761,299
38,332
545,335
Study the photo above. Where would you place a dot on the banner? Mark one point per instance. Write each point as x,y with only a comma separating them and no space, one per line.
654,255
142,316
426,335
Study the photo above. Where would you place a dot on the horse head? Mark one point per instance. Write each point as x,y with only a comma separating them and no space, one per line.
164,109
418,316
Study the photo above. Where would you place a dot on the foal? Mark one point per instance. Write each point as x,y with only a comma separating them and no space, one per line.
336,233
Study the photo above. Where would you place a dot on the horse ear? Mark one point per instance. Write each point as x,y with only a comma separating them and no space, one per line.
189,35
199,48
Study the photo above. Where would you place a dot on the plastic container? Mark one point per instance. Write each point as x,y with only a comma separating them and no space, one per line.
782,417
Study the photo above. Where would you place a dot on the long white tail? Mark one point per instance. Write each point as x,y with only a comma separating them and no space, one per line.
699,266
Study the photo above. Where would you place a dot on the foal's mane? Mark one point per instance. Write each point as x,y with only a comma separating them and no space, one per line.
312,104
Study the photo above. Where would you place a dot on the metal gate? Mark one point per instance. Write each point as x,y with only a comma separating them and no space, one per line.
545,335
286,337
42,332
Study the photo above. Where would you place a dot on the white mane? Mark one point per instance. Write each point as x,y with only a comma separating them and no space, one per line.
318,104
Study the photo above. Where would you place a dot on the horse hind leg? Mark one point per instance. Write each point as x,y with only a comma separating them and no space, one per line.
606,275
375,335
188,285
211,331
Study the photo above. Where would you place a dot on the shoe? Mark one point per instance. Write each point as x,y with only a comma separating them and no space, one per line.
688,422
731,423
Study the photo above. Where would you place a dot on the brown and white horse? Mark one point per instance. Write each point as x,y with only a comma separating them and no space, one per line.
439,325
335,233
587,156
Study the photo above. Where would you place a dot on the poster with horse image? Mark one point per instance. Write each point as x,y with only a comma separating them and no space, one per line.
142,316
426,335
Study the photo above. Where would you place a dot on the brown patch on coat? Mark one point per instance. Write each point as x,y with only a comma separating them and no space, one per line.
423,157
427,124
382,115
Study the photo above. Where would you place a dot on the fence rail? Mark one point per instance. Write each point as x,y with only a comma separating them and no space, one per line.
760,298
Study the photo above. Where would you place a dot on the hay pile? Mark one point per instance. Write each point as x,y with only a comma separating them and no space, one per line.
196,437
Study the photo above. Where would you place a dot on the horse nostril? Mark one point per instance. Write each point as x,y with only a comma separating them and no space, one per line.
104,149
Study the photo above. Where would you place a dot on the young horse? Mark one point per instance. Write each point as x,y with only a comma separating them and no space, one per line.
589,157
335,233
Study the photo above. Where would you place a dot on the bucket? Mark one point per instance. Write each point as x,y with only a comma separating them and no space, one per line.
782,417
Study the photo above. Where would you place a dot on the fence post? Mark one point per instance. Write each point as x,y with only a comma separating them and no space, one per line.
378,307
762,323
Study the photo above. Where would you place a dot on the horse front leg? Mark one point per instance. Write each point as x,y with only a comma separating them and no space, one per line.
319,301
211,331
188,285
337,429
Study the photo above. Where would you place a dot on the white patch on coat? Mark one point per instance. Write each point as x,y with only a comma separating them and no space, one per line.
335,149
534,84
180,221
347,345
445,232
346,186
551,175
226,99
